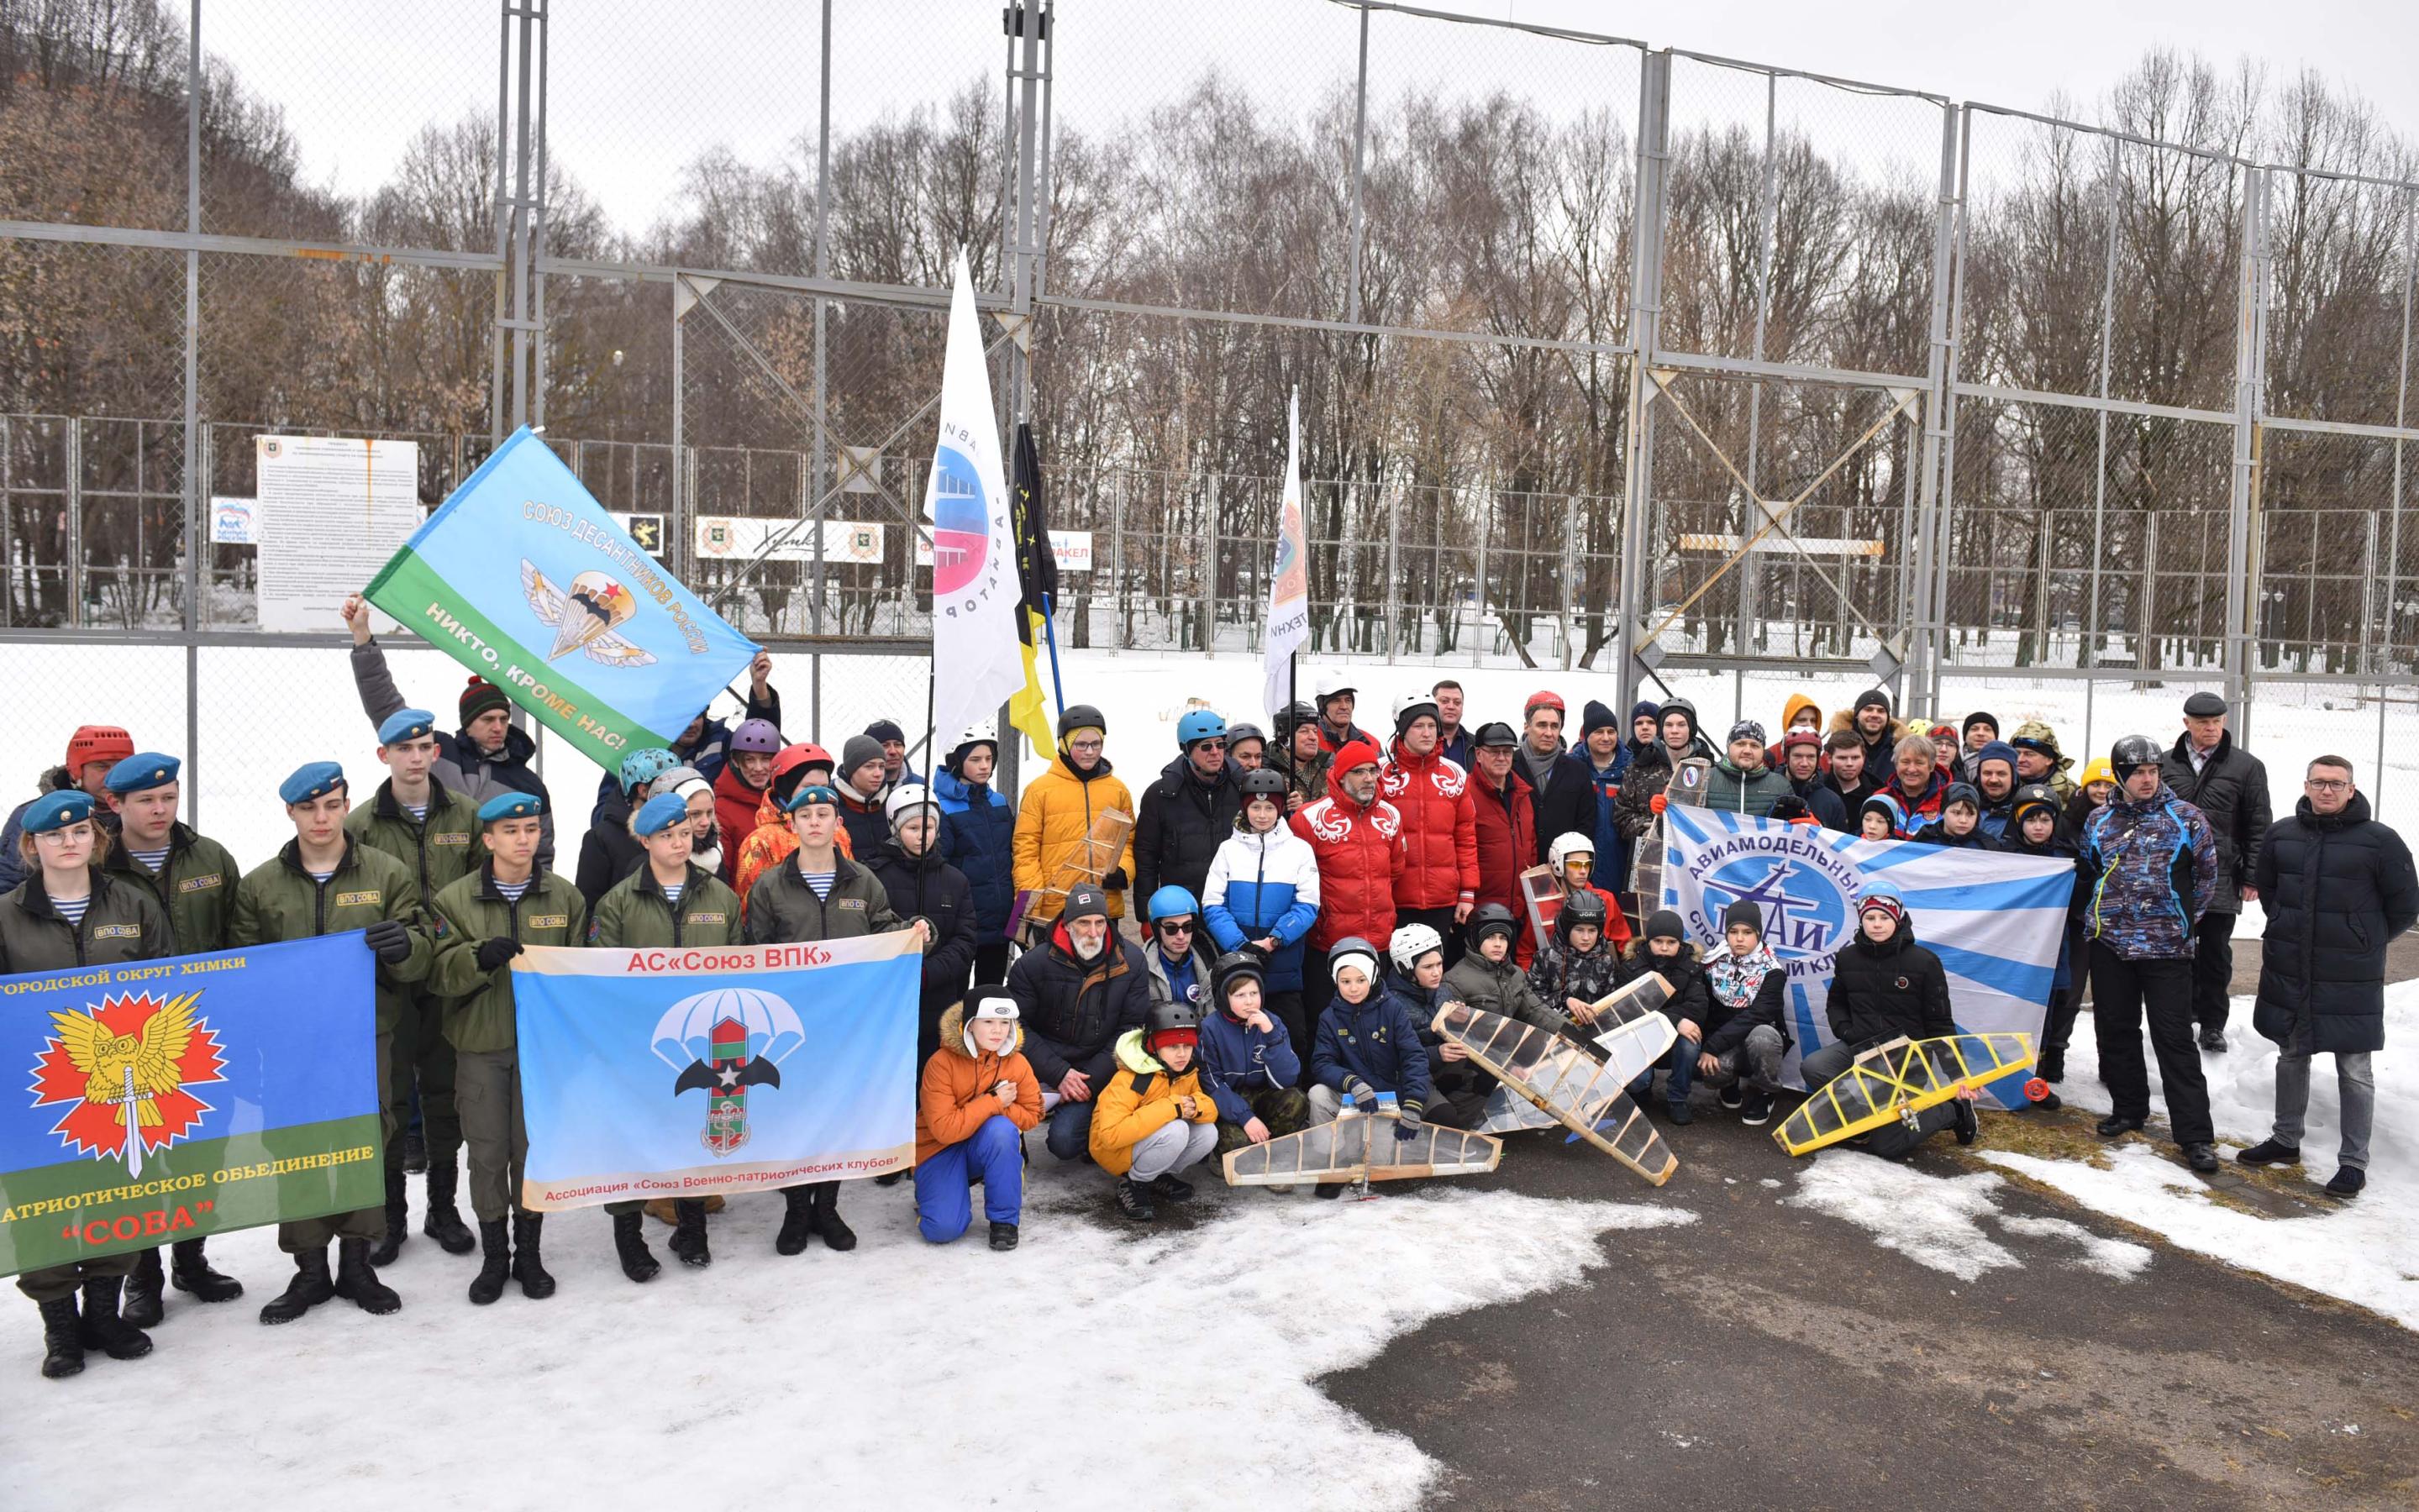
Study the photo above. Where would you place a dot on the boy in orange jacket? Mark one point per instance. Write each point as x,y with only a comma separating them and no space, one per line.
979,1096
1154,1117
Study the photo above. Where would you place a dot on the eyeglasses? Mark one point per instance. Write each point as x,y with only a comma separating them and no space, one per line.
1172,926
1084,745
2315,786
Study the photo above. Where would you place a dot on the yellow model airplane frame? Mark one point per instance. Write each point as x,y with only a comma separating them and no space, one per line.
1897,1080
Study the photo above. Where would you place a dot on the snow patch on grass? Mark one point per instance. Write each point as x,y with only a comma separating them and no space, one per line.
903,1374
1938,1221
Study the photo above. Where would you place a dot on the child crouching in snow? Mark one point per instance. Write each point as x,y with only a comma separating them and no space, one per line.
980,1095
1153,1118
1248,1061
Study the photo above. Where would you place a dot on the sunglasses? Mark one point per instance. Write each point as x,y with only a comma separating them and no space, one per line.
1209,745
1171,927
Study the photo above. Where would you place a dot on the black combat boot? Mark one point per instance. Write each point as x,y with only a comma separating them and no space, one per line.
1003,1236
796,1215
631,1244
359,1285
415,1151
104,1329
688,1234
142,1288
824,1218
495,1260
62,1337
442,1222
309,1288
398,1224
190,1271
528,1267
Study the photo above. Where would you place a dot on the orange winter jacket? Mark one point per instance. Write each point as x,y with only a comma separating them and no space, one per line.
956,1096
770,843
1139,1101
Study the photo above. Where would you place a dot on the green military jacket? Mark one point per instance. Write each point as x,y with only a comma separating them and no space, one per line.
122,922
438,848
196,886
278,900
469,910
783,909
634,912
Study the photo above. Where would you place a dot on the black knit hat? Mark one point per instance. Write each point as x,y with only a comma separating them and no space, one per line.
1663,924
1743,912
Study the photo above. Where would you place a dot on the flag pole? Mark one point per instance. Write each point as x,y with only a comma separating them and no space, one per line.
1049,639
932,769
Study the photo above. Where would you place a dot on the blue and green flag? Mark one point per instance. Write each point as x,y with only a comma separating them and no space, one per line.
176,1098
522,577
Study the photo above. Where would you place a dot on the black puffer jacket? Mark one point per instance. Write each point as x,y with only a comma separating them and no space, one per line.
930,888
1182,823
1073,1010
1683,972
2231,792
2336,888
1879,992
608,851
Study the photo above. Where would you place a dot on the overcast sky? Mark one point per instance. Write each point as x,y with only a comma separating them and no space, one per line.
640,88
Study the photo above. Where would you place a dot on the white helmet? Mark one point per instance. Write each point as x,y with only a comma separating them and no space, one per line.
907,797
1410,705
982,730
1566,845
1409,943
985,1002
1330,683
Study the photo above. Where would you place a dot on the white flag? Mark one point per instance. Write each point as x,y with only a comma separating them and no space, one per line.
976,659
1290,584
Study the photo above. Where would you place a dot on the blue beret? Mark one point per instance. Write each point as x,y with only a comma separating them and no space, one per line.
406,724
312,779
57,811
658,811
144,770
812,792
509,805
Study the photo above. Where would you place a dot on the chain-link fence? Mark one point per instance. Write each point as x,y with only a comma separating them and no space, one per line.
1611,357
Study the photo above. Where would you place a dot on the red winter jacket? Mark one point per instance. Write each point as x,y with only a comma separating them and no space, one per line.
1507,838
1360,854
1439,829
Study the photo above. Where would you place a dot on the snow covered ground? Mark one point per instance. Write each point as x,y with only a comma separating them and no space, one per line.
2365,1252
1085,1368
1938,1221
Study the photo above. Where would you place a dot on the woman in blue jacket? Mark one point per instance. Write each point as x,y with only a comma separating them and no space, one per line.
977,835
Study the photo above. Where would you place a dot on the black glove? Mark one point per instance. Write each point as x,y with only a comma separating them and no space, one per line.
1362,1093
1115,881
389,940
1790,807
497,951
1412,1120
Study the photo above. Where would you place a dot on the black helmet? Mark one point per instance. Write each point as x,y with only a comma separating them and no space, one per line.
1170,1014
1262,782
1579,909
2034,795
1237,966
1080,716
2130,752
1491,917
1236,734
1293,717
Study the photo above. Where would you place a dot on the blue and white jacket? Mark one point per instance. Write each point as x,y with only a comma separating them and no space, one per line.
1261,885
2152,865
979,837
1239,1063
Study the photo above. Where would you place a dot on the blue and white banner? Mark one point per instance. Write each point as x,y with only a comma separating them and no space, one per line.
651,1073
1995,920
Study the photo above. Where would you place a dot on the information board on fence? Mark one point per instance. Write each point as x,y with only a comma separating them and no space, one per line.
330,512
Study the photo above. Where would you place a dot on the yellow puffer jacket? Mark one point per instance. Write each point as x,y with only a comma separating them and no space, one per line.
1139,1101
1053,819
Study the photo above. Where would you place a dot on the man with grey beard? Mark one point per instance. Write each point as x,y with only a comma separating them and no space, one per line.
1075,994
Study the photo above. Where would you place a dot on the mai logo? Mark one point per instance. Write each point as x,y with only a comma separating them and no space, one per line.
723,1042
1805,890
123,1067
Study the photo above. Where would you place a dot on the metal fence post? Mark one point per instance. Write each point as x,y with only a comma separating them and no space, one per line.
1928,646
1394,553
1209,565
1645,310
2250,328
1478,591
196,490
1360,158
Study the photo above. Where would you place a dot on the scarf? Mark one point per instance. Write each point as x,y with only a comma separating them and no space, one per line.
1734,979
1537,767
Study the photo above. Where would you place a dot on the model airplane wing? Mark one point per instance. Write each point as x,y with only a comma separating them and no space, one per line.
1631,1028
1900,1079
1560,1078
1361,1147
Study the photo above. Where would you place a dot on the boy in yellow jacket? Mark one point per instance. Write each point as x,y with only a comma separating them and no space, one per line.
1154,1118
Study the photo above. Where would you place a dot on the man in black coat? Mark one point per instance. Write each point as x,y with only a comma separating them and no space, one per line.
1562,790
1188,813
1075,995
2338,886
2229,786
921,885
1886,986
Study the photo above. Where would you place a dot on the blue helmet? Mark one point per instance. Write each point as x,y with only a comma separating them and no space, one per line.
642,767
1171,901
1200,725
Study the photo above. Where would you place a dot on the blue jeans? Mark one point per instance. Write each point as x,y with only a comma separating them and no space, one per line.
1070,1136
944,1184
1682,1069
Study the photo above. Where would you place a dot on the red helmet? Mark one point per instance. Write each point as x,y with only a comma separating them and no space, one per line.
1544,698
791,764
